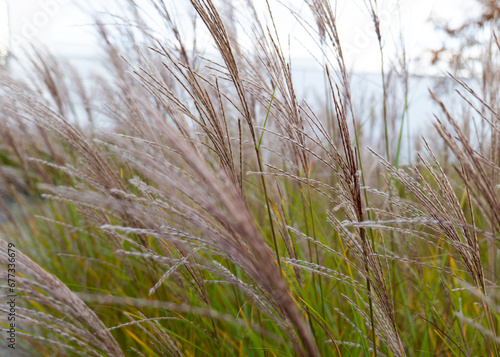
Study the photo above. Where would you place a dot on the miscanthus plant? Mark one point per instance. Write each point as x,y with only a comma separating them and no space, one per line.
186,204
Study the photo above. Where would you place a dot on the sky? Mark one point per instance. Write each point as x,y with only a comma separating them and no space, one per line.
65,29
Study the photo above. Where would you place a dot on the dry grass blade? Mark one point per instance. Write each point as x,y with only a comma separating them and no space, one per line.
69,301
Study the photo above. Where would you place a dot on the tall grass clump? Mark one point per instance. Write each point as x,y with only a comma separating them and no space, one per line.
184,202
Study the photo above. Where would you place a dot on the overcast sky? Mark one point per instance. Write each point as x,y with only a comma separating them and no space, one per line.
65,29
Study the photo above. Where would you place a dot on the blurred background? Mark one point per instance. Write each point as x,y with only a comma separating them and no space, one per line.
65,27
416,34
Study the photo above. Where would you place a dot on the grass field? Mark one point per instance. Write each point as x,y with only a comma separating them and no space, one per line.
217,214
